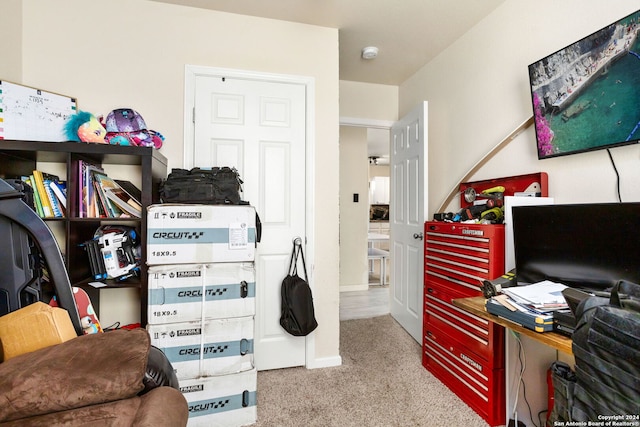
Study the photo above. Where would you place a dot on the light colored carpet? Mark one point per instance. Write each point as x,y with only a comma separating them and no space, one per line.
380,383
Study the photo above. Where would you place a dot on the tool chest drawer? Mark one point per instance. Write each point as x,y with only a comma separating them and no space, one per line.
463,254
478,384
480,336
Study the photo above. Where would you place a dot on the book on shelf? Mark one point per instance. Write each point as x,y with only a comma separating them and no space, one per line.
46,202
120,198
93,210
101,201
36,197
118,201
87,198
56,207
38,178
133,191
59,188
125,196
100,196
104,183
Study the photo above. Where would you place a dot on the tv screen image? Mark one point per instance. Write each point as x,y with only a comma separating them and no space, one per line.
585,96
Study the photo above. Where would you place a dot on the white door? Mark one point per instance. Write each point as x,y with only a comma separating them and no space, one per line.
259,127
407,215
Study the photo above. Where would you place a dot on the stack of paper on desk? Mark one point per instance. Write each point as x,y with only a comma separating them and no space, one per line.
544,296
530,306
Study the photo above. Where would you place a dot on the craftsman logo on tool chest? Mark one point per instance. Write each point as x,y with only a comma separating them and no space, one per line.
471,361
473,232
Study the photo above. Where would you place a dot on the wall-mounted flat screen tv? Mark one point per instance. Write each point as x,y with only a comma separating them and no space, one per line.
586,96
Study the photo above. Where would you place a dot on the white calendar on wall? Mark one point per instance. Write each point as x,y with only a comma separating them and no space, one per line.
30,114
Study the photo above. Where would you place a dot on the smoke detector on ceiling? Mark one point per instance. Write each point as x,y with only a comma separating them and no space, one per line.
369,52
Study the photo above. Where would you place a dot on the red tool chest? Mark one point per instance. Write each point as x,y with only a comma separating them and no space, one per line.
462,350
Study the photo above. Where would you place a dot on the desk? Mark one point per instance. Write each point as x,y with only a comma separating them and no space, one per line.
542,349
475,305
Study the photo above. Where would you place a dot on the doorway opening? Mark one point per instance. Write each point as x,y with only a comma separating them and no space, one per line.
364,219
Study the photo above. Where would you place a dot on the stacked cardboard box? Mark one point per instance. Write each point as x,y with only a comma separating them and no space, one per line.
202,306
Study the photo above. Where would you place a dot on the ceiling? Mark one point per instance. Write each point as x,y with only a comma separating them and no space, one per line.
408,34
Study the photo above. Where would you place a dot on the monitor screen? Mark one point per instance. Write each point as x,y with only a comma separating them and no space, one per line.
587,246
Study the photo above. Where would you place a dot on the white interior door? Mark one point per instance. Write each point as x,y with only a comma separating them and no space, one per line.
407,215
259,127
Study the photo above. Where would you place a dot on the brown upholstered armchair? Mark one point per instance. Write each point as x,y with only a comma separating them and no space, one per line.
91,380
105,379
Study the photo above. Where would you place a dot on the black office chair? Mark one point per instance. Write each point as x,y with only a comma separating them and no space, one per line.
25,237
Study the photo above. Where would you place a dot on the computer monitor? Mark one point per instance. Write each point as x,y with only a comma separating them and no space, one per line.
584,246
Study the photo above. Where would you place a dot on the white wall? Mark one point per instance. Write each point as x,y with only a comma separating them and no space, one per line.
478,92
378,170
11,40
368,101
354,216
132,53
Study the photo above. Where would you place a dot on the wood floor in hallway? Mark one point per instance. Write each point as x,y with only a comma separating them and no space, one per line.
364,304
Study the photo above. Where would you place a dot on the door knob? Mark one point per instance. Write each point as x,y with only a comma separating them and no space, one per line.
417,236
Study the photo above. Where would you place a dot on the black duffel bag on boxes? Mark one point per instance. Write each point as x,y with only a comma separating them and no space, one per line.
214,186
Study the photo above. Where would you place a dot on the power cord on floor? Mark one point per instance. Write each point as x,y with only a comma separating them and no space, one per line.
542,423
112,327
523,365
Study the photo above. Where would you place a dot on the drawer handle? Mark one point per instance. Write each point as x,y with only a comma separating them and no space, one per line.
244,289
245,346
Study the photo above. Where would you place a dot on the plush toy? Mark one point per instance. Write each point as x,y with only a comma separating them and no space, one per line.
84,127
88,326
126,126
88,317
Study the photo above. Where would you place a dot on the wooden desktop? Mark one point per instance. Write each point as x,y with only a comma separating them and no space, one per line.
475,305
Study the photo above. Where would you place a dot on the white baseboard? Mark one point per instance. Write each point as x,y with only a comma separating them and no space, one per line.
351,288
325,362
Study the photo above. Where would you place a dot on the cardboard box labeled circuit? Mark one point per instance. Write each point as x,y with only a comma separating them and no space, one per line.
228,400
189,292
208,347
33,327
191,234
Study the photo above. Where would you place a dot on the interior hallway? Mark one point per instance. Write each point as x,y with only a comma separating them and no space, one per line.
365,304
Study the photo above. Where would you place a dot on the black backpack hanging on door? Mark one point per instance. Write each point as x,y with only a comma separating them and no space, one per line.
297,313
